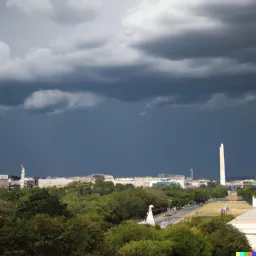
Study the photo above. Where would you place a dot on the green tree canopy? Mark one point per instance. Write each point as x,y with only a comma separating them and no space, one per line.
43,235
147,248
227,240
38,201
116,237
215,223
188,241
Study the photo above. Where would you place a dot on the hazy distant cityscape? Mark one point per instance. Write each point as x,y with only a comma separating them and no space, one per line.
7,181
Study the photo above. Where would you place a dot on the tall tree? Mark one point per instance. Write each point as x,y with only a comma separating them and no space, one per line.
40,201
147,248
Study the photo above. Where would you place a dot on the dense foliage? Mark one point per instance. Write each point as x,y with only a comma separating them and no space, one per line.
95,219
247,192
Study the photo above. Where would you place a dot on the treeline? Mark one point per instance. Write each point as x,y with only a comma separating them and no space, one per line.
94,219
113,203
247,192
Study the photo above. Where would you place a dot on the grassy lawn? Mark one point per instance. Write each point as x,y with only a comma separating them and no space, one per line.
213,208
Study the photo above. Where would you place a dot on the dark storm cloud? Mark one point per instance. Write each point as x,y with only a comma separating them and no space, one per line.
236,15
202,44
51,67
233,37
99,66
186,91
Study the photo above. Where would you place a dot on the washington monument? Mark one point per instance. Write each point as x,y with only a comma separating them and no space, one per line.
222,166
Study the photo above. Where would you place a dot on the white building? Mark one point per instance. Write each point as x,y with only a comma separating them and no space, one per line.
132,181
58,182
137,181
246,223
149,181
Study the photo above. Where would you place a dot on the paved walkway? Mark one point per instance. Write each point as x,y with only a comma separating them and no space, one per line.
175,216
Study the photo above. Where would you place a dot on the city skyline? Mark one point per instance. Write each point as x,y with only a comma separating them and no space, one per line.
91,87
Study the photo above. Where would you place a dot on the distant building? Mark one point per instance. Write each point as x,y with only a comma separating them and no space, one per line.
164,183
58,182
177,179
249,183
4,181
246,223
30,182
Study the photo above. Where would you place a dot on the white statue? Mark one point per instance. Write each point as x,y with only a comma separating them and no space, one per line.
150,218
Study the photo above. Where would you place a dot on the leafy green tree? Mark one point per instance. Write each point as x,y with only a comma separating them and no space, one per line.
200,195
187,241
55,191
214,224
227,240
80,188
193,222
246,192
103,188
3,194
154,196
106,207
121,187
12,195
13,237
6,208
78,204
147,248
116,237
40,201
43,235
179,197
83,236
219,191
128,205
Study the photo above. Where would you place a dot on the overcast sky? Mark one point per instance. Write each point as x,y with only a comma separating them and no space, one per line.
128,88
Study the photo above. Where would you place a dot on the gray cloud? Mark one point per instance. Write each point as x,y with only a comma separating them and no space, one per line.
220,101
216,102
187,50
4,109
157,102
64,11
30,7
58,101
196,30
55,102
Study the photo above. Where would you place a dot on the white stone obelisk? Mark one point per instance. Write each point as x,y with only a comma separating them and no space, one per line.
22,177
222,166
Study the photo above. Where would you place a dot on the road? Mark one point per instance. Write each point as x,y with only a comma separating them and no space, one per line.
175,216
